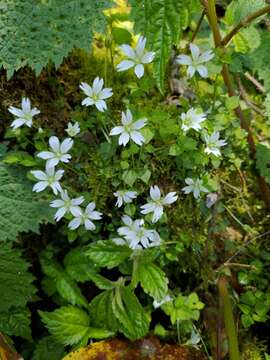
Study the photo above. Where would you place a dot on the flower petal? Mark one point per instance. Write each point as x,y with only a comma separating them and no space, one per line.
40,186
148,57
139,70
97,85
54,143
137,137
202,70
139,124
195,51
87,89
155,193
125,65
66,145
170,198
184,60
75,223
45,155
123,139
116,130
128,51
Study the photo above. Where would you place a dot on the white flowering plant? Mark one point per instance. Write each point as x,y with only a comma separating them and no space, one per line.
145,159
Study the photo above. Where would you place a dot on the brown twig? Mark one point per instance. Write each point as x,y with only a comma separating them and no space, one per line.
243,23
245,97
210,9
198,26
254,81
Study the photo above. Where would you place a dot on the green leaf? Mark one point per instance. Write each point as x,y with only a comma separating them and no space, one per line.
102,312
48,348
247,40
153,280
107,254
121,36
161,22
65,285
130,314
16,286
237,10
267,105
67,324
36,32
21,210
232,102
263,161
78,265
16,322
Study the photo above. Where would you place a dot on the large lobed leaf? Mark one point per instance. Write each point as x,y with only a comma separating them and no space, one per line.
161,21
35,32
20,209
16,286
239,9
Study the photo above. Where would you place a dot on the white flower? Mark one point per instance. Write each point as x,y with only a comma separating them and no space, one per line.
136,235
84,218
58,153
48,178
192,120
213,144
136,57
211,199
195,186
157,303
124,196
156,205
66,205
129,129
95,94
195,61
73,129
24,115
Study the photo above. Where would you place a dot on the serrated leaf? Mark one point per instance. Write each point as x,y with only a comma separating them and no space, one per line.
16,322
67,324
70,325
65,285
107,254
161,22
16,286
130,314
20,209
48,348
237,10
247,40
78,265
36,32
101,311
152,279
263,161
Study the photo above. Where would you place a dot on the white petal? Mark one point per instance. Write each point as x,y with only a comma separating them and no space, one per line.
60,213
97,85
95,215
75,223
26,105
170,198
139,124
116,130
184,60
191,71
206,56
148,57
187,189
40,186
127,117
57,203
54,143
155,193
59,174
56,187
189,181
66,145
148,208
88,102
87,89
40,175
125,65
105,93
101,105
140,46
90,207
45,155
123,139
195,51
158,212
128,51
17,123
77,201
15,111
76,211
51,163
139,70
202,70
89,225
137,137
196,193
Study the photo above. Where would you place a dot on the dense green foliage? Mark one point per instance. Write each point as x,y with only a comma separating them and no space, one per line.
114,269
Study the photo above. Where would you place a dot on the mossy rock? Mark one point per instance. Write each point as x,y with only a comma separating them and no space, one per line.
148,349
